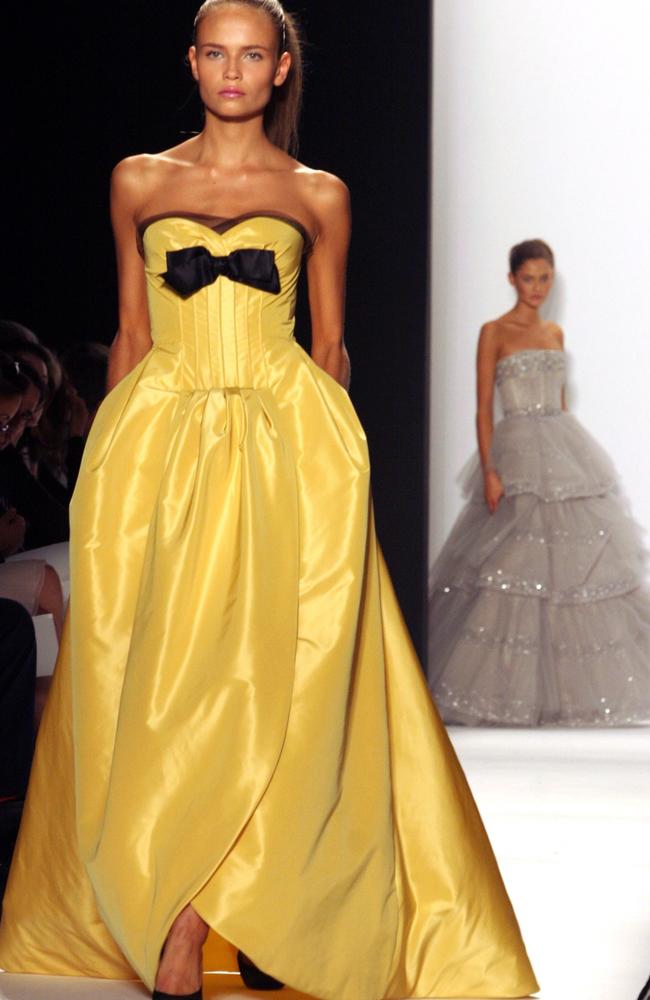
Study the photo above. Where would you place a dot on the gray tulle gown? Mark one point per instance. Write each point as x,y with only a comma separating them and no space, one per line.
538,613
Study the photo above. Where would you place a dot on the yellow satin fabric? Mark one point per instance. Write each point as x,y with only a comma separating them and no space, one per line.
237,716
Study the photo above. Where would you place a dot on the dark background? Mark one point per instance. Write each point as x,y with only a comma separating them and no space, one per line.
87,84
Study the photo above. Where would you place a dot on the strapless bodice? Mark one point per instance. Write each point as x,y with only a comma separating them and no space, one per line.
220,336
530,382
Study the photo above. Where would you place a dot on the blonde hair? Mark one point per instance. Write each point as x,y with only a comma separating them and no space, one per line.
283,110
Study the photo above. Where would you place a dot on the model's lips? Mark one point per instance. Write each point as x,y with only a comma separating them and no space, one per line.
231,92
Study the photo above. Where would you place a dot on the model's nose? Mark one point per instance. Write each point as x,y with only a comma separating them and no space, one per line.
232,71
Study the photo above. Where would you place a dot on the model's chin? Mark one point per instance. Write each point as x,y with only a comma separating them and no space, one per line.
232,110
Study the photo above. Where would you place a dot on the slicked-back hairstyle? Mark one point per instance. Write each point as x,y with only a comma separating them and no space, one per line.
283,111
530,250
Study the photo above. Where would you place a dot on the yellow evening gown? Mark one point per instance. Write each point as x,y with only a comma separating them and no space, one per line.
237,716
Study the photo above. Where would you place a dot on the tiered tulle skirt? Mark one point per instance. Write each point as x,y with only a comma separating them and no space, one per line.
538,614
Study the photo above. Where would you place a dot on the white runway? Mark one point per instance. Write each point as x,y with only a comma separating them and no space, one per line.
568,812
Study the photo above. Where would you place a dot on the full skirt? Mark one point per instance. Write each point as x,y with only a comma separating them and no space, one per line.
238,718
538,613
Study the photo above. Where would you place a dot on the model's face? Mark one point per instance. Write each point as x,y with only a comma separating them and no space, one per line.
532,282
235,61
9,406
24,415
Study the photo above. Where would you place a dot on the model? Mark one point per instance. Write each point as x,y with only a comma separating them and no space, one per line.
254,750
537,609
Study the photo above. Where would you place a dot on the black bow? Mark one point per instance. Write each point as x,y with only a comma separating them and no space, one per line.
195,267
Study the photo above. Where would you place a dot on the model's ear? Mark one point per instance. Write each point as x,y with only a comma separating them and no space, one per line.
191,58
511,278
282,72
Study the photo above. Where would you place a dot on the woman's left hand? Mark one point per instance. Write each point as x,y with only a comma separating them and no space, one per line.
493,490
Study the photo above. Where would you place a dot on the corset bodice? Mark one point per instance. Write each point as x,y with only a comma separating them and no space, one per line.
221,335
530,382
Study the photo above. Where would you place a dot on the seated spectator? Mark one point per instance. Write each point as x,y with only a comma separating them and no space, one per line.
53,440
52,450
24,346
31,582
46,517
40,364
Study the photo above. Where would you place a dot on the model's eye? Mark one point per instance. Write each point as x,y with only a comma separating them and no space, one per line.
255,56
214,54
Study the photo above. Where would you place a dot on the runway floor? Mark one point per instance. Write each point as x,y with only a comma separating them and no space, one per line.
568,812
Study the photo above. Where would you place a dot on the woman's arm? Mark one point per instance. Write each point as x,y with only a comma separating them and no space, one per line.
133,338
486,362
561,345
326,267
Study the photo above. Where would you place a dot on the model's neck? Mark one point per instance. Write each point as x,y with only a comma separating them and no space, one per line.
526,314
229,146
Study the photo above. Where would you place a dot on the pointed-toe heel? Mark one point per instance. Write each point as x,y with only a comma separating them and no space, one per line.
253,977
157,995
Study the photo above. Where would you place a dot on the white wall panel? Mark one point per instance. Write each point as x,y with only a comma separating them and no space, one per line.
542,128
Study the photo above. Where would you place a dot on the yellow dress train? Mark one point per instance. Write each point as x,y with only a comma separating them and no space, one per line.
237,717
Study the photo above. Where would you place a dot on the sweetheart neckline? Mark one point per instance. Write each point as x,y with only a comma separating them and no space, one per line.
231,223
531,350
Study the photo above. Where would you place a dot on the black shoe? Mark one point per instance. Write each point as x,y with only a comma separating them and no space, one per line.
157,995
253,977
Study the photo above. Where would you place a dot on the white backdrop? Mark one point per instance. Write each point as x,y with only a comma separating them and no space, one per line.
541,128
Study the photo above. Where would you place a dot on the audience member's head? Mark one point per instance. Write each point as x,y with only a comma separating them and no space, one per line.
31,402
72,395
45,363
11,330
41,368
13,386
86,365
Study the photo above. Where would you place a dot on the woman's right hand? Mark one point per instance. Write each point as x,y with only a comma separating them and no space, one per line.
12,532
493,488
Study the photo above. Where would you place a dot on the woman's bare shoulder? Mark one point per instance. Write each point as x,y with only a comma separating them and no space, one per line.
144,171
322,190
135,178
490,341
134,171
554,331
491,331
